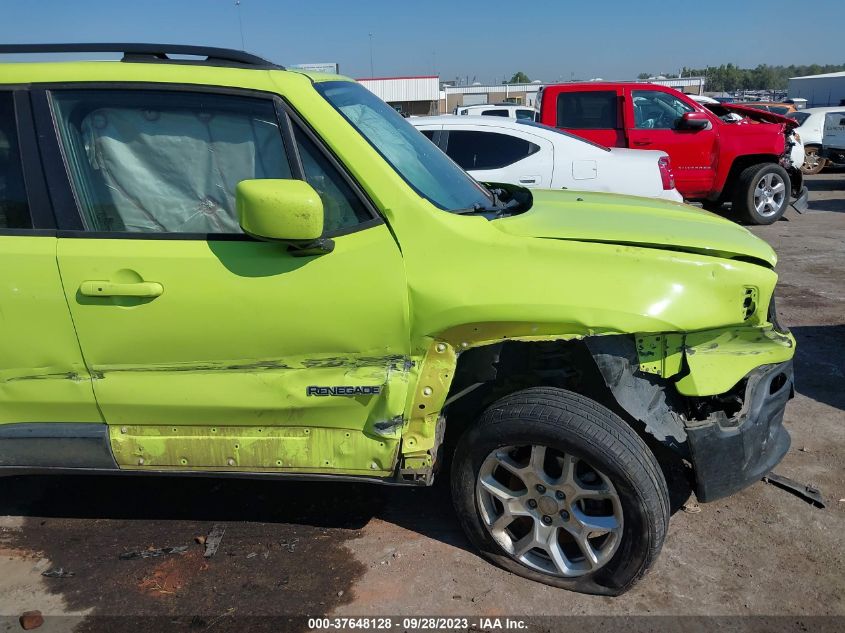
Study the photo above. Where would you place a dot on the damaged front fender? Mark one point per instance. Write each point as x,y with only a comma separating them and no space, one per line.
719,359
717,398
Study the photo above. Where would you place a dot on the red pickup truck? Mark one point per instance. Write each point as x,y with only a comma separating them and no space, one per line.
719,153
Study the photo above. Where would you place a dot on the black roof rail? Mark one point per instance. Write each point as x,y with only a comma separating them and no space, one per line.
152,53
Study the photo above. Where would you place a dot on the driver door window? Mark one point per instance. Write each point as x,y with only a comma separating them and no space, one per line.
656,110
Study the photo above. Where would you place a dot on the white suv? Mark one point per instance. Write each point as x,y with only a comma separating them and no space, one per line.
504,110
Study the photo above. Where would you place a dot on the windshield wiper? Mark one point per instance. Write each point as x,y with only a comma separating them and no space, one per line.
499,206
480,208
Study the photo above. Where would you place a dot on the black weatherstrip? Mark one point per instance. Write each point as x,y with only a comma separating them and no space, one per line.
33,176
61,194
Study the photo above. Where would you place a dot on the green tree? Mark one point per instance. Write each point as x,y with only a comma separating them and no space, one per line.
643,76
520,78
727,77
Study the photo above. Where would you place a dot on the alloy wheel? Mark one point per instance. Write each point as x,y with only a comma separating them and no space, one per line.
549,510
769,194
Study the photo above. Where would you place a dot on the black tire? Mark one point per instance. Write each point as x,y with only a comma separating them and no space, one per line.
743,200
574,424
813,163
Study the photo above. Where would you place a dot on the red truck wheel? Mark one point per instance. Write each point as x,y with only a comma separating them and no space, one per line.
762,193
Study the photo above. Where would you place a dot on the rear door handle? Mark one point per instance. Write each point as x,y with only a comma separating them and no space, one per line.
147,289
528,180
642,142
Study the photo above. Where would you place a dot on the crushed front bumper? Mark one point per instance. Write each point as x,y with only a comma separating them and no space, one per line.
729,454
802,200
800,193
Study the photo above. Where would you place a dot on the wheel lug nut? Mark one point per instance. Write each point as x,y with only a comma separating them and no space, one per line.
541,488
532,503
547,520
559,494
564,515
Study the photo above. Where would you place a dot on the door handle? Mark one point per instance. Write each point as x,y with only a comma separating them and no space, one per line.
528,180
644,141
147,289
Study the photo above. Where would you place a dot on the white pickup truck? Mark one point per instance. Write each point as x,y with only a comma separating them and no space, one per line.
833,140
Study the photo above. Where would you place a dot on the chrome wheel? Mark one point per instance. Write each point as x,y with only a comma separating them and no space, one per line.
769,195
549,510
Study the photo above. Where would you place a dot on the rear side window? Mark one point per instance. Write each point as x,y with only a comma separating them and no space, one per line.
503,113
487,150
588,110
525,115
14,210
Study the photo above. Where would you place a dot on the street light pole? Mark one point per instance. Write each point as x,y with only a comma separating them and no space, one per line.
240,24
372,73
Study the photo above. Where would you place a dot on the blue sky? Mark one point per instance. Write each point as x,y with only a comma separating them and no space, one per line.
485,39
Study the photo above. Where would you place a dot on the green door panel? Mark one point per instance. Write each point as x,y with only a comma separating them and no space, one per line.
239,332
253,449
42,375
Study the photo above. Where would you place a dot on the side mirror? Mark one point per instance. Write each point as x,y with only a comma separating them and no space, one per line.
693,121
280,210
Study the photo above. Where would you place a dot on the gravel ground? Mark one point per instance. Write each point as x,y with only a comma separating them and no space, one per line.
340,549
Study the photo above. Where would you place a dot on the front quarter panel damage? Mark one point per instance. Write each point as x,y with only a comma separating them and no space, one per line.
644,396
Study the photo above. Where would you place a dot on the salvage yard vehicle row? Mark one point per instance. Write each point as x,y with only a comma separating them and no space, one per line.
218,266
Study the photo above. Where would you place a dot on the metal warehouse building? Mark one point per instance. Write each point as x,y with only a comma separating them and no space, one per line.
526,94
687,85
409,95
422,95
478,94
819,90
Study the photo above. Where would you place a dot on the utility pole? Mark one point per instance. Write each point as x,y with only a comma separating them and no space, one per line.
240,24
372,73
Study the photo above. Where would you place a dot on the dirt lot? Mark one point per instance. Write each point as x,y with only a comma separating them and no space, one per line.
315,549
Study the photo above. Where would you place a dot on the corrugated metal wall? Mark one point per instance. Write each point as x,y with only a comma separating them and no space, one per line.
821,91
393,89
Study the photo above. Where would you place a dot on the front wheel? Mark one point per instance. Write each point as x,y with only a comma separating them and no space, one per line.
554,487
762,193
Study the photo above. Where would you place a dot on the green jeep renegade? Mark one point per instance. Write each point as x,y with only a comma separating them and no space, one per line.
209,264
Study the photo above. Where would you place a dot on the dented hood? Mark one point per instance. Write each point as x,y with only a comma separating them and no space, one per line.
629,220
756,114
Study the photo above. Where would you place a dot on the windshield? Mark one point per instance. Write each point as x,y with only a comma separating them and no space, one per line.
419,161
799,116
